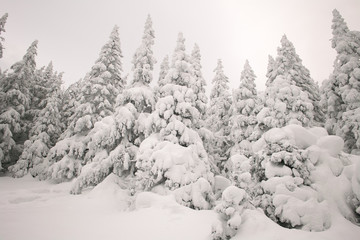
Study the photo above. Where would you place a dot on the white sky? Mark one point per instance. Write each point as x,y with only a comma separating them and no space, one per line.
71,33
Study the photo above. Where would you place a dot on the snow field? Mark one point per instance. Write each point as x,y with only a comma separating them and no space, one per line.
30,209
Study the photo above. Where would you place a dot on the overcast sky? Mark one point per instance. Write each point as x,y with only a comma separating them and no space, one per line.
71,33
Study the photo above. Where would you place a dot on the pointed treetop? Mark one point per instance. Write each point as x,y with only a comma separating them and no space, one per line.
143,59
247,77
220,82
285,42
109,60
149,33
271,65
195,54
339,28
164,69
114,32
179,53
195,60
219,67
28,60
49,68
180,42
287,56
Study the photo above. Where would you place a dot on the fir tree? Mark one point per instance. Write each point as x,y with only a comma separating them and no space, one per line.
164,69
2,29
174,121
70,103
244,107
143,60
270,70
199,86
291,94
341,93
45,132
96,100
218,116
100,88
116,152
16,103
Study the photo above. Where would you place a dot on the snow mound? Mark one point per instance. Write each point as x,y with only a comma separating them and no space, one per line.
332,144
111,185
173,164
305,178
150,199
112,190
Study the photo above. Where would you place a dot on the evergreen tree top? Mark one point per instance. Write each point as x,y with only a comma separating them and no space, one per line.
247,78
220,81
270,70
270,66
28,63
109,61
195,55
49,70
179,53
287,56
339,27
149,33
289,62
164,69
195,60
143,59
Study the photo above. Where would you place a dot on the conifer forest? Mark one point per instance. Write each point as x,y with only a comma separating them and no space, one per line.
114,153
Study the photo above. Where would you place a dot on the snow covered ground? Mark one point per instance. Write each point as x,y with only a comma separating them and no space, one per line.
30,209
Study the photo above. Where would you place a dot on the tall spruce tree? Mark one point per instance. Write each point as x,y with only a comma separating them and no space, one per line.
96,100
244,107
174,121
164,69
46,129
100,87
17,97
270,70
341,92
199,85
218,116
116,152
291,94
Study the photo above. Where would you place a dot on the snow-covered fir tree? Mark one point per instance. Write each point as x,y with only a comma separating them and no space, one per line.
270,70
282,178
70,102
164,68
16,97
174,156
341,92
244,108
100,87
47,128
116,152
218,117
199,86
291,94
95,101
39,87
2,29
